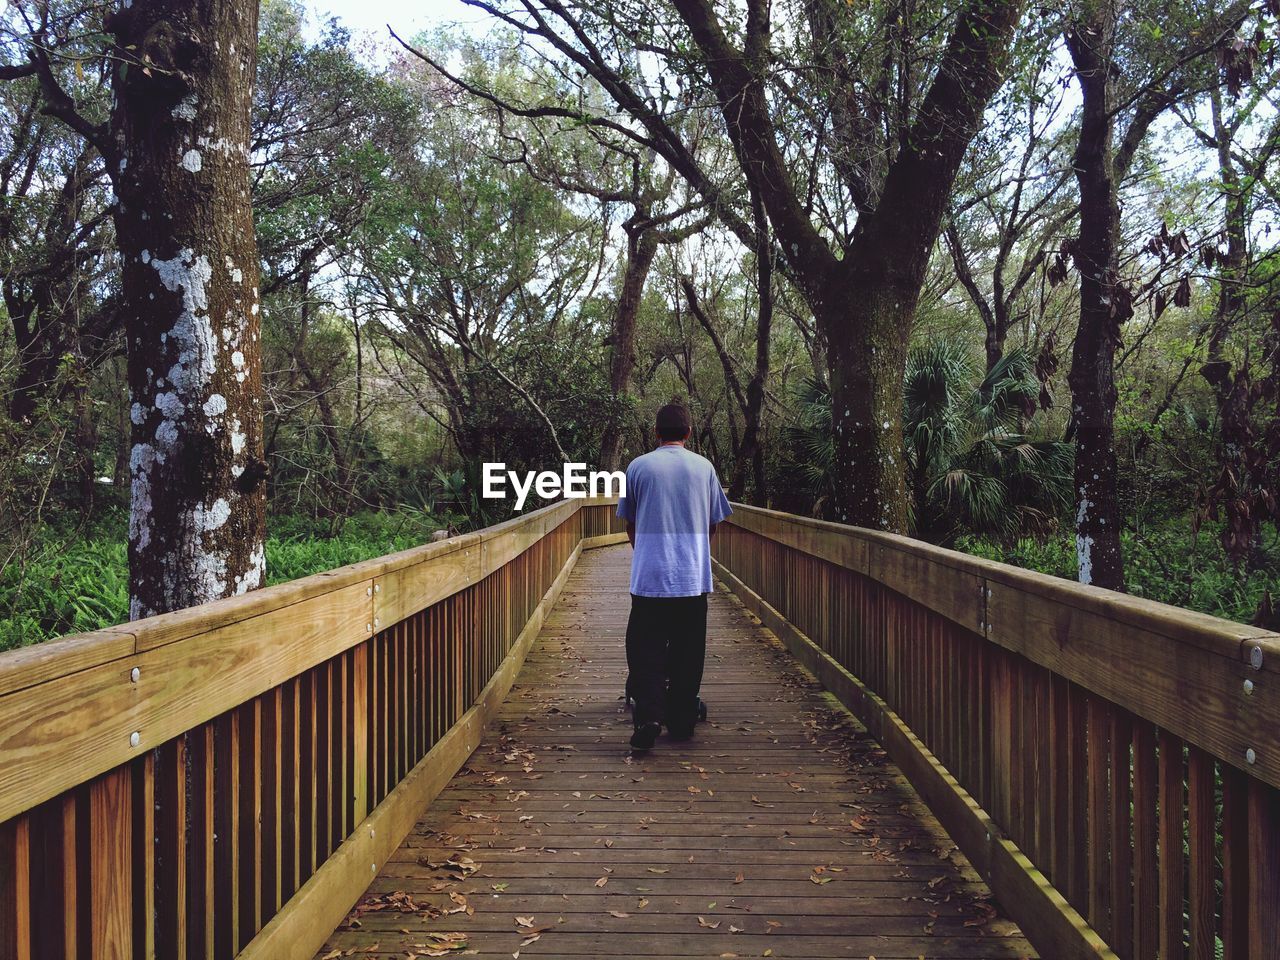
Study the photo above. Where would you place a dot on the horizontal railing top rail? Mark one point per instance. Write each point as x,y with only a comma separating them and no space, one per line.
1196,675
76,706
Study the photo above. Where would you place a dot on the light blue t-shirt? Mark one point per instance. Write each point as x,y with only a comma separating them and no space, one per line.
673,498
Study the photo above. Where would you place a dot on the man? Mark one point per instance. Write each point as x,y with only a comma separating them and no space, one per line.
672,506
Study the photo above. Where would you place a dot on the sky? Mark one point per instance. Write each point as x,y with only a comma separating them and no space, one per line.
407,17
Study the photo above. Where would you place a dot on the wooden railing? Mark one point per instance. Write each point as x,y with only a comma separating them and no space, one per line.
1123,751
226,780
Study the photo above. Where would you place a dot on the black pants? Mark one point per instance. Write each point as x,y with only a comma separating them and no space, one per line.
666,647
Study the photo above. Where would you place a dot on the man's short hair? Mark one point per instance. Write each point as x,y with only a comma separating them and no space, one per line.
673,422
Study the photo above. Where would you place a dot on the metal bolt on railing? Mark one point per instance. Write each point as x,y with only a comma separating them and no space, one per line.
134,674
1255,658
1250,757
135,738
1248,688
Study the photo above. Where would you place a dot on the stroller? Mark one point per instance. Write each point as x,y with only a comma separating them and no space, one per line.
630,701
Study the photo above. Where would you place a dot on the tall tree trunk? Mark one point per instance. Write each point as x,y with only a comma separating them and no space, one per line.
182,83
867,323
751,452
1104,306
642,245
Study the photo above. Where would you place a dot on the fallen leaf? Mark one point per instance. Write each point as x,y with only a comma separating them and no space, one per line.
602,881
704,922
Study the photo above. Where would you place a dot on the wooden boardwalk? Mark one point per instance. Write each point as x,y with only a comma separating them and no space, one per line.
781,830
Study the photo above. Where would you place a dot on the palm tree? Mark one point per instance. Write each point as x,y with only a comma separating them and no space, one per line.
974,464
812,442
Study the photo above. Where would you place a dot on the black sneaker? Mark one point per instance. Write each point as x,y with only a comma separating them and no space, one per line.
646,734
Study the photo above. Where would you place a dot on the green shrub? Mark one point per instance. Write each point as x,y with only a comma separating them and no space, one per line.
75,580
1165,562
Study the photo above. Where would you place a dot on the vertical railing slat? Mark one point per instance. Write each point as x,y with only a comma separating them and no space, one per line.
110,865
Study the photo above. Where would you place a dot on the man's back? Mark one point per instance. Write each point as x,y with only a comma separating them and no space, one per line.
673,498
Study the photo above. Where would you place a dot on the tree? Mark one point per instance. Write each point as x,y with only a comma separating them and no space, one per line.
861,282
176,151
1101,163
466,264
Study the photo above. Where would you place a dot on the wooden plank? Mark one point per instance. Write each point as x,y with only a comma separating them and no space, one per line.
61,733
111,832
1146,882
402,593
226,835
359,732
290,787
1099,836
48,887
269,805
15,906
42,662
249,803
1201,823
142,869
1264,871
827,541
200,845
1236,853
955,593
171,854
1172,861
1121,845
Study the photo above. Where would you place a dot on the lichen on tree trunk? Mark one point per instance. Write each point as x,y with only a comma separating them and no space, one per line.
182,85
